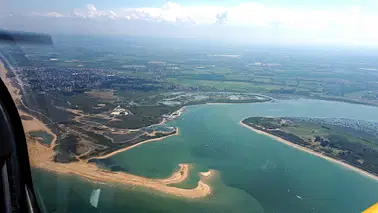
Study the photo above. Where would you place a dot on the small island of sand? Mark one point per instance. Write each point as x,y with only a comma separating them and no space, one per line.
207,174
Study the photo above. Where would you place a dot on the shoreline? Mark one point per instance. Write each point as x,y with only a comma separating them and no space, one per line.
28,125
166,119
135,145
208,174
312,152
41,156
225,103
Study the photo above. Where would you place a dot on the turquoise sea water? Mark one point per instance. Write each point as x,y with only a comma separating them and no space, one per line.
254,172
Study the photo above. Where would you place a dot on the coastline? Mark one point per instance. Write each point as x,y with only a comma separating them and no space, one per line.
41,156
312,152
208,174
28,125
175,176
135,145
171,117
262,102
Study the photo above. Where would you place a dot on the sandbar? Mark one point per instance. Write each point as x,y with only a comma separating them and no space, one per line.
41,157
208,174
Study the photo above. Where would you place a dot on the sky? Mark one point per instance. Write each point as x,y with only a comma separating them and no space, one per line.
349,22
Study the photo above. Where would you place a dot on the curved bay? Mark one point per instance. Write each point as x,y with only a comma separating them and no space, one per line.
255,173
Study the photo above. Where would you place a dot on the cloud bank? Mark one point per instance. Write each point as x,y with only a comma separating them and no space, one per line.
352,23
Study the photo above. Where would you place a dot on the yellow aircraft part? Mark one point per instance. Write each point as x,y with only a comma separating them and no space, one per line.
372,209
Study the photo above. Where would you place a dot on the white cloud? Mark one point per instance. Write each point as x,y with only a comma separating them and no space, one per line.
222,17
359,22
48,14
244,14
92,12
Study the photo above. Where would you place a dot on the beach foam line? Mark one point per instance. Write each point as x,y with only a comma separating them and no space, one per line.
304,149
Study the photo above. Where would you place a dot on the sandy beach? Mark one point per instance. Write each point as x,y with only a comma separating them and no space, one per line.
219,103
41,156
133,146
207,174
14,91
29,125
362,172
